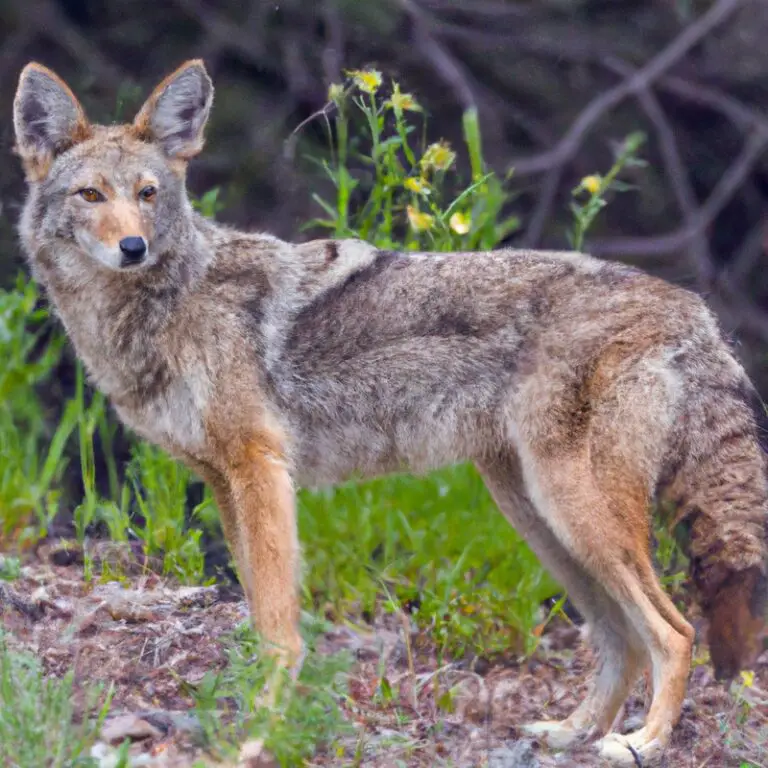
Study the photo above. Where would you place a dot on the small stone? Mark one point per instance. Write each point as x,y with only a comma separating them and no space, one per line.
31,610
124,610
633,723
689,707
472,699
254,755
41,597
519,754
197,597
122,727
171,722
67,555
104,755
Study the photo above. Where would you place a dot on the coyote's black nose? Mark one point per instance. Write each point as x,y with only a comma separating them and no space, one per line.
133,249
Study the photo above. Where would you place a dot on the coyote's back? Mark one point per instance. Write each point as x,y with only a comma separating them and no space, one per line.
581,389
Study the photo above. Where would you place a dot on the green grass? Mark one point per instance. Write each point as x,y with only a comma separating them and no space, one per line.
40,724
160,491
435,546
32,458
10,568
231,705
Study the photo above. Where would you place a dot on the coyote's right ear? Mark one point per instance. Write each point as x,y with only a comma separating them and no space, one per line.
47,118
175,114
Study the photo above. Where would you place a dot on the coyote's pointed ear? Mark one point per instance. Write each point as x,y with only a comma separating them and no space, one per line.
47,118
175,114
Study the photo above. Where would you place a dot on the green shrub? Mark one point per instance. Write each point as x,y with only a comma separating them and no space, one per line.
32,460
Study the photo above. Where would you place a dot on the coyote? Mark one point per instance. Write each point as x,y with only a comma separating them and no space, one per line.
581,389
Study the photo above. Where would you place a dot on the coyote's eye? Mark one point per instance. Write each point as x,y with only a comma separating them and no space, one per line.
91,195
148,193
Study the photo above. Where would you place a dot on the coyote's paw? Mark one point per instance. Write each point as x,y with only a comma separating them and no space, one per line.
632,749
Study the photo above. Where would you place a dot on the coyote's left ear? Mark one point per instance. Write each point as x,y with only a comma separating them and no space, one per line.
175,114
47,119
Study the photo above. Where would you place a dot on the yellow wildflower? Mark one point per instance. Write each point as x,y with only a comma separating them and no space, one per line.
438,157
419,221
460,223
748,678
591,184
402,101
368,80
335,92
418,185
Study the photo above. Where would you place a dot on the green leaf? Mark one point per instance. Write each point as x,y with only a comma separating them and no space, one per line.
327,207
385,690
470,123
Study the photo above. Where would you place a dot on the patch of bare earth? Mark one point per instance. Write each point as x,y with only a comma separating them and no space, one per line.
148,637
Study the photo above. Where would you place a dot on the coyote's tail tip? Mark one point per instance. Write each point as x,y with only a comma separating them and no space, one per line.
727,508
736,616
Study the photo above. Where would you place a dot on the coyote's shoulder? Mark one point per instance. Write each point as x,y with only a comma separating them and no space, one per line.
582,390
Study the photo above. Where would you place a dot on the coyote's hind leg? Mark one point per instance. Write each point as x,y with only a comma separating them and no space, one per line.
618,648
600,516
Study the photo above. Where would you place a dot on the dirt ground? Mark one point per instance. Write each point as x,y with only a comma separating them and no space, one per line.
149,636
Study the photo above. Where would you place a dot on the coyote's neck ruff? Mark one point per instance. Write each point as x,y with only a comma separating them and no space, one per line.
581,389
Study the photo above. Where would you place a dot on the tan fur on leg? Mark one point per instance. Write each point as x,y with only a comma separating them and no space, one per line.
621,563
618,649
257,501
263,498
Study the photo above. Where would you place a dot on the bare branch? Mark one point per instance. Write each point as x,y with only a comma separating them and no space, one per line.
333,54
740,115
640,80
721,195
752,248
12,49
698,249
443,64
289,146
229,34
733,302
580,48
79,45
300,82
484,8
555,160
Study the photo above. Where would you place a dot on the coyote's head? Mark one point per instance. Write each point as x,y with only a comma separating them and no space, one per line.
114,195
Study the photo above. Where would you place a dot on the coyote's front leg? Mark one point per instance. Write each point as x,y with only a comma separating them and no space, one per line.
256,498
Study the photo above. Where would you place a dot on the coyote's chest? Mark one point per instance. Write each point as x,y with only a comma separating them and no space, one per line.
158,384
163,401
173,418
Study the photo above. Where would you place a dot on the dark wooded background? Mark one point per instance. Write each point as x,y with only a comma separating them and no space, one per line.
556,83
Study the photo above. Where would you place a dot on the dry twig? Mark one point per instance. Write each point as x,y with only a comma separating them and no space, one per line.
554,161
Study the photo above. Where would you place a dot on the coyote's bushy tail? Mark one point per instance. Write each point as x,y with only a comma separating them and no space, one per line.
721,488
